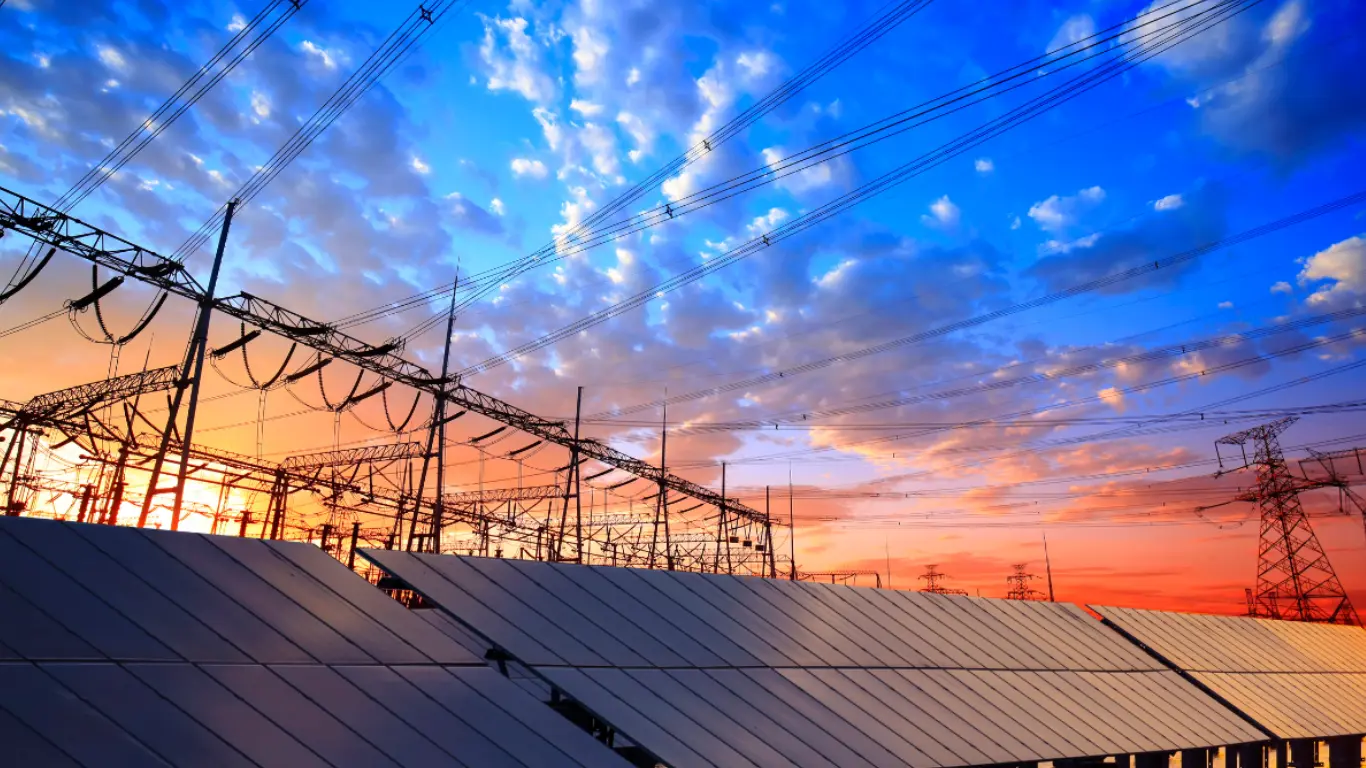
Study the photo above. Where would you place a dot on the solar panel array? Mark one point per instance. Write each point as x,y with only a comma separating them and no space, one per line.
1298,680
737,671
126,647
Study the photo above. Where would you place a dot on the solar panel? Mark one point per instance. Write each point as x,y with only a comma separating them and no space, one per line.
1296,680
126,647
713,669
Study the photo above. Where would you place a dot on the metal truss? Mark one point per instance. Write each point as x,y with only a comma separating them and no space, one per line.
88,242
369,454
72,402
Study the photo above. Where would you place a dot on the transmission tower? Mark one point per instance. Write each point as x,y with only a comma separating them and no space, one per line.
1019,585
934,582
1295,581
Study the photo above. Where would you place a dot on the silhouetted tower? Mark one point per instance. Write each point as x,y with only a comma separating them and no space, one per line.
934,582
1019,585
1295,581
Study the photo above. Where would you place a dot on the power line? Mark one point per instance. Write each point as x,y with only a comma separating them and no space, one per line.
1069,90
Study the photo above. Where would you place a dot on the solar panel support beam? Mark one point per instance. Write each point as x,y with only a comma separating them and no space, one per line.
1344,752
1302,753
1152,760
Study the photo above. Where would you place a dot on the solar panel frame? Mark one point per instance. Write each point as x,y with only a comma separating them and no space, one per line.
443,727
872,715
759,650
811,732
803,646
852,641
263,600
225,714
625,717
520,586
681,639
1013,704
968,739
124,592
311,724
74,607
25,746
644,647
193,594
497,629
404,623
918,733
34,635
138,709
377,642
720,699
942,686
681,714
515,611
878,601
374,722
863,616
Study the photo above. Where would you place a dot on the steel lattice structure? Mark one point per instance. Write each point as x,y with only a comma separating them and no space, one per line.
1295,581
98,246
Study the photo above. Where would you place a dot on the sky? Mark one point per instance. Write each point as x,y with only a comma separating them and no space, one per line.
946,299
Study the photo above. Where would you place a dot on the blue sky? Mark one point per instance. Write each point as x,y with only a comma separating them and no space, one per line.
513,120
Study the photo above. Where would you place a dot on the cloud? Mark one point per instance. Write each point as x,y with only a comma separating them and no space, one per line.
420,166
468,215
1158,235
512,60
522,166
1267,84
1057,213
1282,287
112,58
319,54
1168,203
1340,270
984,165
1226,305
497,207
943,213
1074,30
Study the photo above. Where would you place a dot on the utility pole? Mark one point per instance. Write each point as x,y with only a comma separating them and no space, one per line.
572,487
436,438
192,370
1048,565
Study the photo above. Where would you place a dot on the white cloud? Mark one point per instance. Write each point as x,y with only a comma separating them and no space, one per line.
1282,287
1168,203
1073,30
1057,213
943,213
590,55
238,23
516,65
522,166
602,145
110,57
260,104
755,65
497,207
1343,264
1015,223
586,108
984,165
550,126
640,132
1226,305
321,54
420,166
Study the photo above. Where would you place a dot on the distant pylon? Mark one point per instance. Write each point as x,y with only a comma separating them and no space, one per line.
1019,585
934,582
1295,581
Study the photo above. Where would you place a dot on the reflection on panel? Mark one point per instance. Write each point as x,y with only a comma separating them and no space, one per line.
708,669
1295,679
124,647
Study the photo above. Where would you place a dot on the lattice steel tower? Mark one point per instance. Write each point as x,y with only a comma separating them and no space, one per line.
934,582
1295,581
1019,584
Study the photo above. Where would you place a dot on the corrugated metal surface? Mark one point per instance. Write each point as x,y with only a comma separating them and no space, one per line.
735,671
124,647
1296,679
